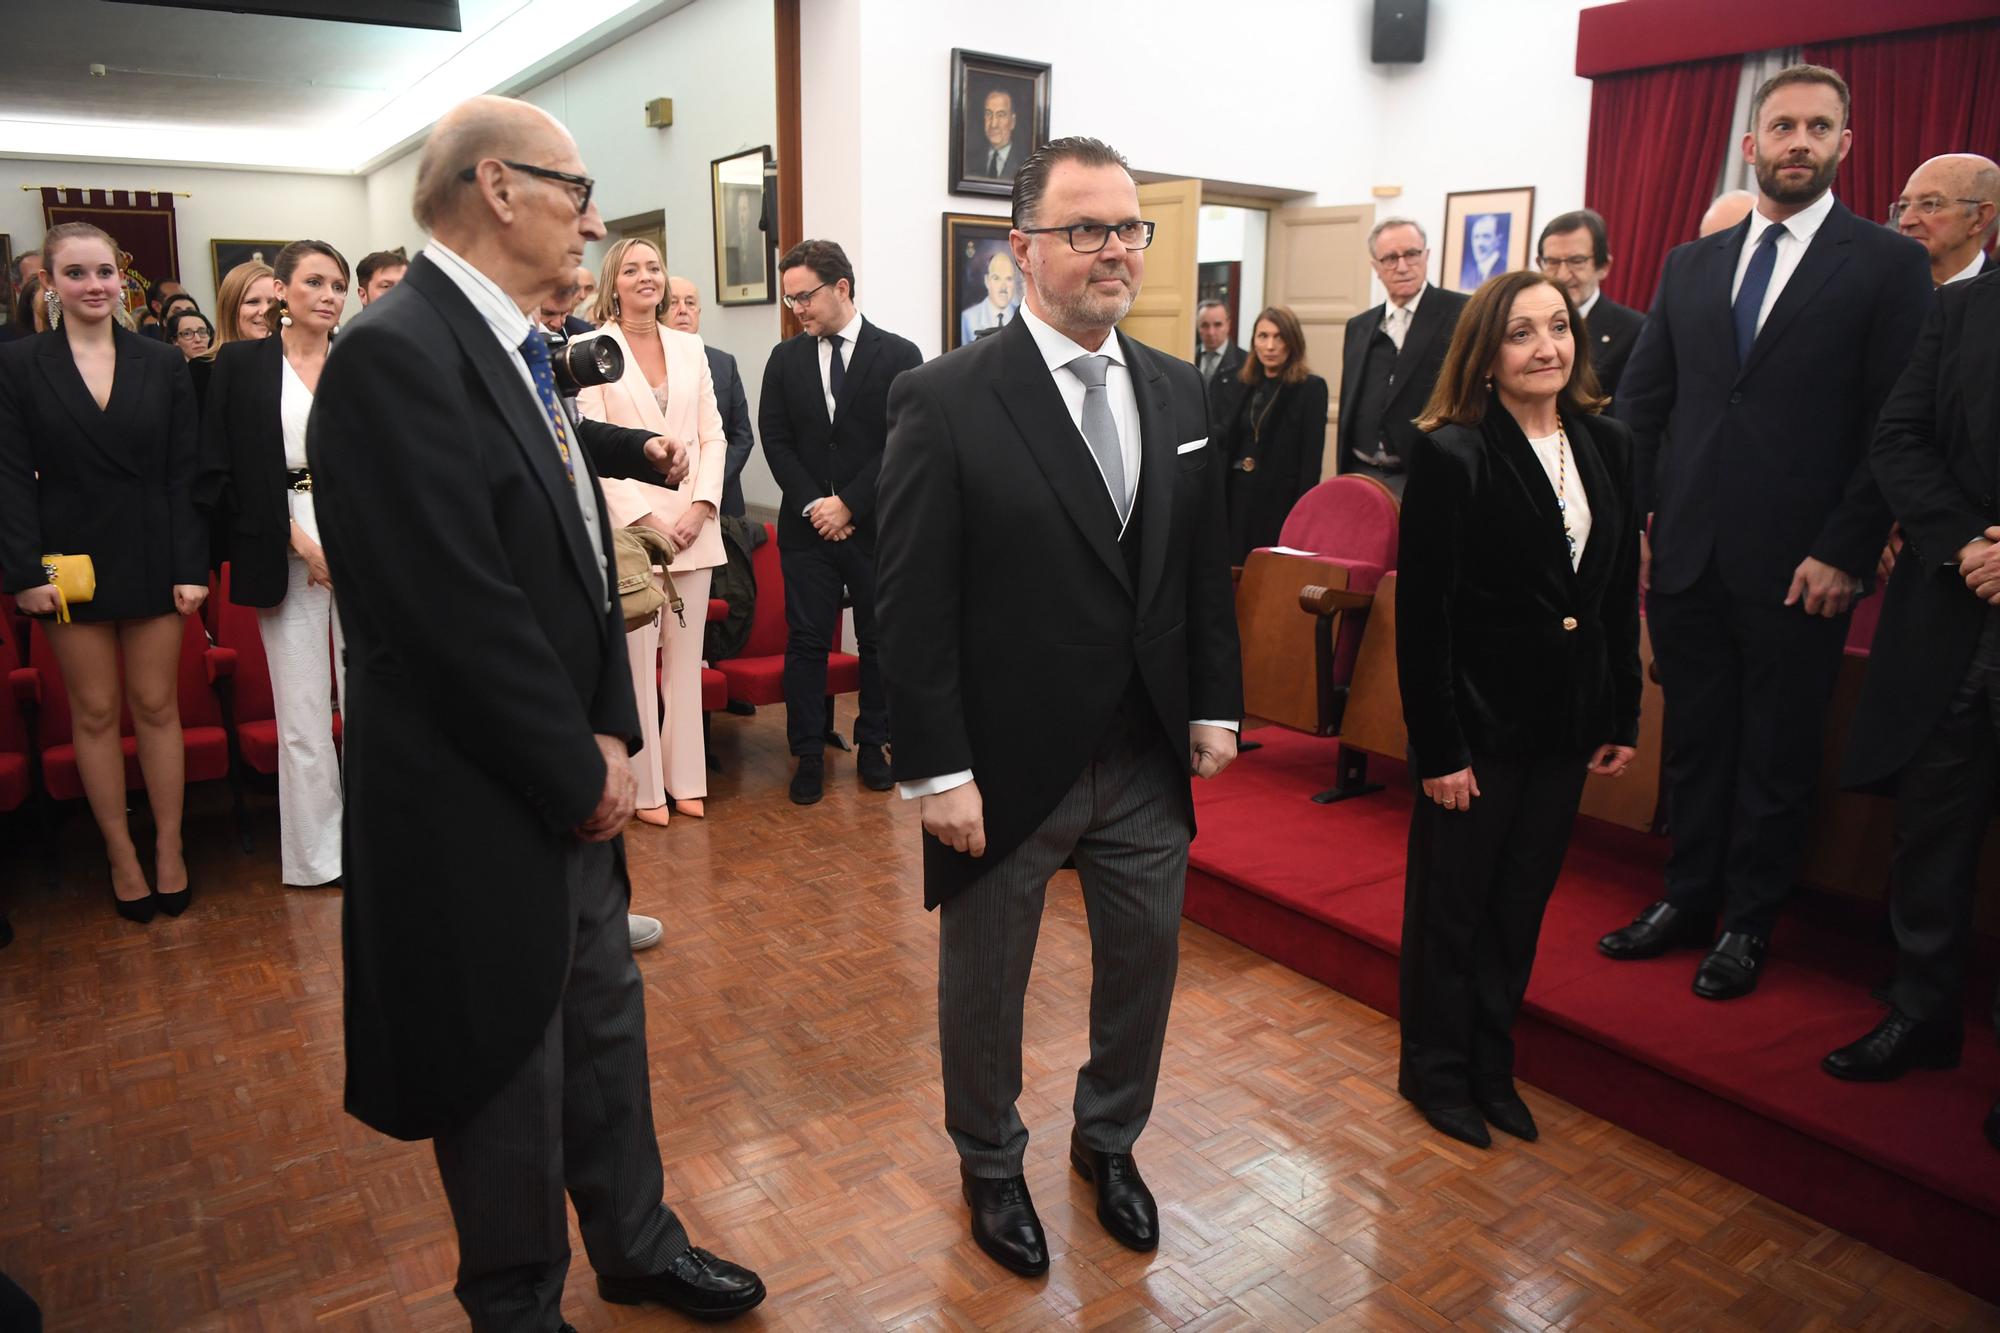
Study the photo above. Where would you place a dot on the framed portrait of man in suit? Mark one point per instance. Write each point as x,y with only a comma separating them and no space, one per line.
982,285
999,115
745,251
1485,233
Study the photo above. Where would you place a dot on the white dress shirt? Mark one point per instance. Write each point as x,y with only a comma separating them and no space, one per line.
1800,228
511,327
847,335
1970,271
1058,350
1396,318
1583,311
993,169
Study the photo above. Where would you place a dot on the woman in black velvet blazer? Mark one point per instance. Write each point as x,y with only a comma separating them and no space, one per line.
1276,432
1517,645
97,458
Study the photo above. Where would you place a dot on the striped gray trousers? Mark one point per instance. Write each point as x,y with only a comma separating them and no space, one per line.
1122,821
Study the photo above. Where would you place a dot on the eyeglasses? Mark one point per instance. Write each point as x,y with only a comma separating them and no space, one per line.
1574,263
1929,206
1087,238
569,178
1395,257
196,334
803,298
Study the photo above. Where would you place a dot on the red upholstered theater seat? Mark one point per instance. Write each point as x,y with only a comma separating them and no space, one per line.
1861,625
253,711
756,675
1355,522
13,634
203,727
15,768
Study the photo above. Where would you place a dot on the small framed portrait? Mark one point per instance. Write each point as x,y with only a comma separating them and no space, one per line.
1485,232
999,115
225,255
745,251
982,285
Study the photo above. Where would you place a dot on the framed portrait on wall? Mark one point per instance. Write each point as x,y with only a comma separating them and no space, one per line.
1485,232
225,255
999,115
744,250
982,285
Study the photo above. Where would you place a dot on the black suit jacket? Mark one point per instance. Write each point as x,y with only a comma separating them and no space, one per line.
1612,331
1288,460
482,656
735,409
243,470
1423,349
1010,627
116,484
813,457
1502,648
1766,464
1935,455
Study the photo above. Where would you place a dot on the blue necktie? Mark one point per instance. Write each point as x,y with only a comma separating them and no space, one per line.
535,351
1756,281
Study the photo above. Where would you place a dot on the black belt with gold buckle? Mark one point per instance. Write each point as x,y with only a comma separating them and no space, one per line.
300,479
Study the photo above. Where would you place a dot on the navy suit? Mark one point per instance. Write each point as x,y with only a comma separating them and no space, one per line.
1764,464
735,409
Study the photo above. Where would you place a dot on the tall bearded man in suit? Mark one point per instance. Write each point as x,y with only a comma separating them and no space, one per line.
1392,355
1768,352
492,1004
1060,652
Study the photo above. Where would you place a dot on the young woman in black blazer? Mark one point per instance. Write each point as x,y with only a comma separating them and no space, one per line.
1277,432
1517,644
98,455
255,481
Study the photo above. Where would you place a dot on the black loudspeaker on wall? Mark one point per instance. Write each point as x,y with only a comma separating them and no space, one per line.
1399,32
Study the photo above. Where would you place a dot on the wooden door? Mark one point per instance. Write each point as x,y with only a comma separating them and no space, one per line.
1163,316
1316,263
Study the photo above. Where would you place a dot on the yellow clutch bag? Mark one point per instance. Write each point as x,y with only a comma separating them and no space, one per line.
75,579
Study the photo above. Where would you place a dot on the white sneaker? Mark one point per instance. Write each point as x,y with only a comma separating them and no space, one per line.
645,930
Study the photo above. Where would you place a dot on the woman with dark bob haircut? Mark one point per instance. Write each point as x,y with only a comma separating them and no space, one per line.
1517,642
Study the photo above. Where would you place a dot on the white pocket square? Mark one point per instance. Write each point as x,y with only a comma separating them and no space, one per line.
1191,446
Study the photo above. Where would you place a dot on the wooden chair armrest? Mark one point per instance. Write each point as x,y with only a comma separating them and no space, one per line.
1318,601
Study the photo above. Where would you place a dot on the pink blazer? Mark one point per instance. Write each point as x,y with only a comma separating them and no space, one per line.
691,415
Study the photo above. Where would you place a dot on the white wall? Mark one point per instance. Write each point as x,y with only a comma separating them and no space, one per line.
715,58
1495,103
242,205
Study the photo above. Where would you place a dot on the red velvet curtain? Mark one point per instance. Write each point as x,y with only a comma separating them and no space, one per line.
1916,94
1656,142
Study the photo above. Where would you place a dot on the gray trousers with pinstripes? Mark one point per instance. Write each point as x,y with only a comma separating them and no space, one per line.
1123,822
577,1115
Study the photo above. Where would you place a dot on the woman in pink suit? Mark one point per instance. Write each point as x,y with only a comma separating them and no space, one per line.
665,389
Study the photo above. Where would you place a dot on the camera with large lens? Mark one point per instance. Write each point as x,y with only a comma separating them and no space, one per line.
583,362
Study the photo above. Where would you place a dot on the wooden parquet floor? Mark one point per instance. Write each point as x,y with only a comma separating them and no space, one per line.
173,1154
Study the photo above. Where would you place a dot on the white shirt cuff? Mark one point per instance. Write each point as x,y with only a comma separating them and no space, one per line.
910,791
1216,722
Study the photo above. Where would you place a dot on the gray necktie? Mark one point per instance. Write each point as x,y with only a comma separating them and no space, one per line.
1100,428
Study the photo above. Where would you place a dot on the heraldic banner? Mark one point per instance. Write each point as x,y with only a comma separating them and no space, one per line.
141,221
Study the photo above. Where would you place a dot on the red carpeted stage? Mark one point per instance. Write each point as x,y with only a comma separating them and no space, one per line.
1736,1087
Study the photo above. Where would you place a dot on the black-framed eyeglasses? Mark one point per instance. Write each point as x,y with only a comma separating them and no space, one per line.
794,302
1929,206
1087,238
569,178
1395,257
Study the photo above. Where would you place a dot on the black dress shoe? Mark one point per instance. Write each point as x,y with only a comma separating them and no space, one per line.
1993,1125
1463,1123
1004,1223
809,780
1125,1207
1897,1045
1657,929
1730,971
874,768
696,1284
1506,1111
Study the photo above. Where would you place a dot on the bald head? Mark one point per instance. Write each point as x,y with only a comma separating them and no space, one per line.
1949,208
1729,208
470,133
683,305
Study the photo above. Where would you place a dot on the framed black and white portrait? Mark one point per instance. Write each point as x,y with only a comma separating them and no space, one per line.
1485,232
224,255
744,251
982,284
999,115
